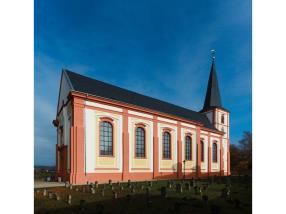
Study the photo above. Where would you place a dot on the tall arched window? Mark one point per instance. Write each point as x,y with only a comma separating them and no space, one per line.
140,142
106,138
214,152
222,118
202,151
188,148
167,145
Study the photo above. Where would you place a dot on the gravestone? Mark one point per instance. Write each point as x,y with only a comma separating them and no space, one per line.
48,178
169,184
121,188
142,187
112,187
59,179
179,188
77,189
50,195
70,187
132,189
82,204
57,197
92,191
102,192
163,192
66,184
115,195
150,183
45,192
187,186
197,192
69,199
148,190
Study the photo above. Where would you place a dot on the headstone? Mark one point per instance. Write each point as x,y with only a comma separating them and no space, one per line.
163,192
50,195
45,192
142,187
115,195
58,197
69,199
82,204
169,184
121,188
132,189
48,178
150,183
196,188
102,192
188,186
179,188
112,187
77,189
70,187
92,191
59,179
96,184
148,190
66,184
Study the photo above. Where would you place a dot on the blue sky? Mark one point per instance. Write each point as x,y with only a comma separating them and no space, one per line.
157,48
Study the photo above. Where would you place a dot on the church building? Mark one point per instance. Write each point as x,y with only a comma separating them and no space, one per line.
107,132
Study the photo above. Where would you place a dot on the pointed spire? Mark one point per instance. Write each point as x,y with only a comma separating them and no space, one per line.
212,98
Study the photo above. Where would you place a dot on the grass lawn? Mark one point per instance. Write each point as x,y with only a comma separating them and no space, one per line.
136,202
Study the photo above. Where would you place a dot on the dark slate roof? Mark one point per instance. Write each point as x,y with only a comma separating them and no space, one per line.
212,99
101,89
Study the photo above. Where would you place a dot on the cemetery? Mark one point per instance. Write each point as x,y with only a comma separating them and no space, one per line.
214,195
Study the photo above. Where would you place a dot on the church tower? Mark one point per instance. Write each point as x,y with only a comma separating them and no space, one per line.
218,116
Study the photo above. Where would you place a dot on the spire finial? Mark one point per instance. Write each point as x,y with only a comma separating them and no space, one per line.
213,54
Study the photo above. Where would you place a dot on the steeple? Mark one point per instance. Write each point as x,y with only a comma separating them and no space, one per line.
212,98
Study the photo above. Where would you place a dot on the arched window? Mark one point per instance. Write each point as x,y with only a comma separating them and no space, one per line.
202,151
222,118
215,152
188,148
106,138
167,145
140,142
